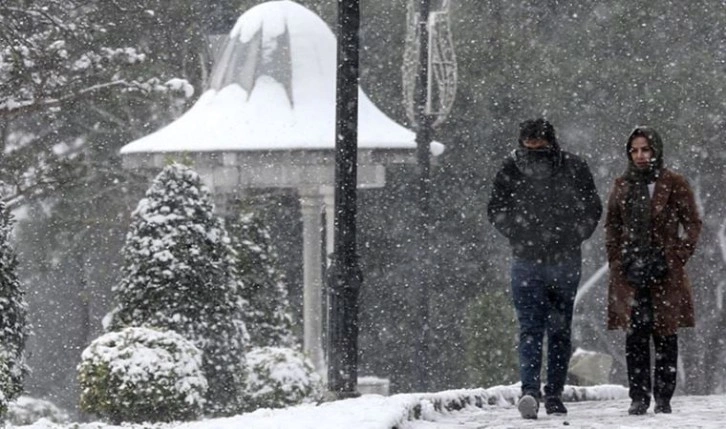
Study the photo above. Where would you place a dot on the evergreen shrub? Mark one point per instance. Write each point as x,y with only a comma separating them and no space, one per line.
142,375
279,377
264,290
491,334
13,318
179,275
5,385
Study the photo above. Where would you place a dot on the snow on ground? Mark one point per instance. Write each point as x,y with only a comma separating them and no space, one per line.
596,407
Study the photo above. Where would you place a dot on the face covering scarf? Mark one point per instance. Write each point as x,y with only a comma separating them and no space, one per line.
536,163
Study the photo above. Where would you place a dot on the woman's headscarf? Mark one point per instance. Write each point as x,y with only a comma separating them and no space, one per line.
638,197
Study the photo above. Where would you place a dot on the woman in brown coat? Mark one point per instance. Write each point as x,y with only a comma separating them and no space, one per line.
651,229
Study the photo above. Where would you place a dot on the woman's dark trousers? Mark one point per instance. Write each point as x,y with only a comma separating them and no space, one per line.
637,354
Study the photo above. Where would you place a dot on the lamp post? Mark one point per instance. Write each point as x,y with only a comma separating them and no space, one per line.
344,275
429,75
424,136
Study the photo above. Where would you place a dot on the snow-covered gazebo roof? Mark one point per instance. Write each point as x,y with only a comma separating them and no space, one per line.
273,88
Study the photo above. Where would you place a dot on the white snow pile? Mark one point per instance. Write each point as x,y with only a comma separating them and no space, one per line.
365,412
25,410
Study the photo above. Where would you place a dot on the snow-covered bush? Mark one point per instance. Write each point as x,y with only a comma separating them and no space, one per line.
13,325
268,316
179,274
141,374
27,410
4,382
279,377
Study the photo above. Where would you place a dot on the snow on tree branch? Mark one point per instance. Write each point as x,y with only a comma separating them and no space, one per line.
51,53
11,106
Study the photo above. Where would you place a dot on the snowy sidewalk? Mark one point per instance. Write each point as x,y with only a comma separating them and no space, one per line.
688,412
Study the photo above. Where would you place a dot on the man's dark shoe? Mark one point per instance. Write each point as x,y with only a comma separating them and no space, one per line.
554,405
528,406
638,407
662,407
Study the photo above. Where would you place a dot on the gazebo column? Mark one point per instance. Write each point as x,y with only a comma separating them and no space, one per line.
329,201
311,206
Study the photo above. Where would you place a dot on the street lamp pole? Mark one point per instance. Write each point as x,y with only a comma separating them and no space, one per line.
345,276
429,83
424,136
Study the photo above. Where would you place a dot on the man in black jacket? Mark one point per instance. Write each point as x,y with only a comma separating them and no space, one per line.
545,202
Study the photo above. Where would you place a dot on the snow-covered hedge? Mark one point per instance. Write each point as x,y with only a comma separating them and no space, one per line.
264,288
142,374
278,377
27,410
13,317
5,385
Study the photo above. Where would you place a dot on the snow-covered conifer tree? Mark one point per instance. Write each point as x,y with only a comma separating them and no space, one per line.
13,311
179,275
268,317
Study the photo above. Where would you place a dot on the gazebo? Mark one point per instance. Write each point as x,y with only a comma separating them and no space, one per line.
268,121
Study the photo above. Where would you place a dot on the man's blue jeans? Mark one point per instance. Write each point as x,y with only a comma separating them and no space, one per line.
544,294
